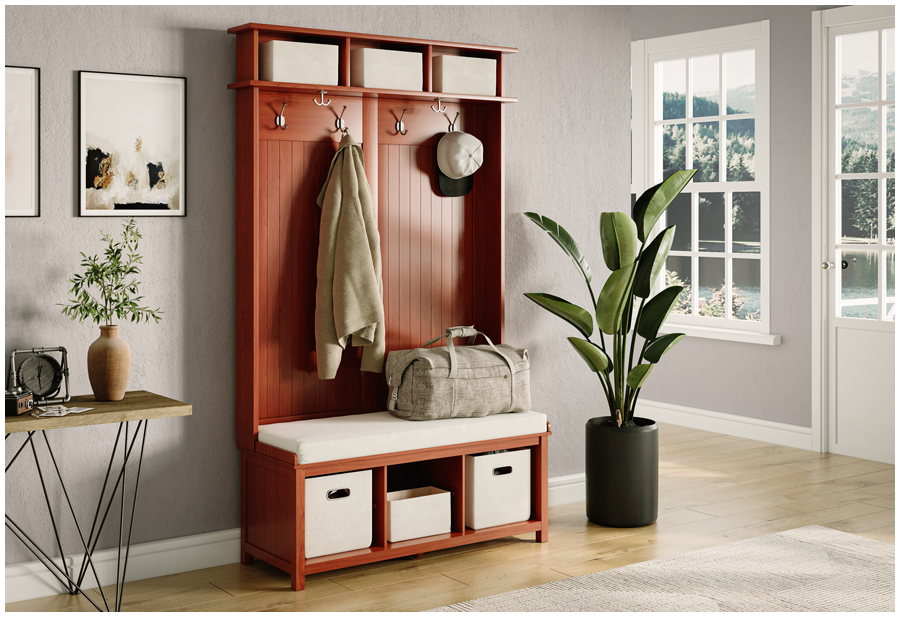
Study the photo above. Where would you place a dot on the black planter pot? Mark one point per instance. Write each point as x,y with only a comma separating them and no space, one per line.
622,472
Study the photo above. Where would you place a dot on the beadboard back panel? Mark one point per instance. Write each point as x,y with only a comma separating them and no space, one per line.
441,256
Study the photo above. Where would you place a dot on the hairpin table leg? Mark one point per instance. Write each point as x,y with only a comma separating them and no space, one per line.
62,574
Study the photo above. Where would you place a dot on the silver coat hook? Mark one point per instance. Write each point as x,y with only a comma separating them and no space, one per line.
279,119
323,93
399,124
452,126
339,123
439,110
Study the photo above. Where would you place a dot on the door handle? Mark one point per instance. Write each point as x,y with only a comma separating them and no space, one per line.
826,265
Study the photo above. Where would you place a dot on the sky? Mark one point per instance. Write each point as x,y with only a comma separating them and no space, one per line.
860,52
739,71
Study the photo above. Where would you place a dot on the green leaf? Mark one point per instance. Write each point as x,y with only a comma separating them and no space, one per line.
565,241
612,298
660,346
596,360
638,375
618,237
652,261
656,311
654,201
563,309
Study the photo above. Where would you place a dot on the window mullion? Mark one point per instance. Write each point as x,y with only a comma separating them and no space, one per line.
723,110
695,260
882,284
689,114
729,287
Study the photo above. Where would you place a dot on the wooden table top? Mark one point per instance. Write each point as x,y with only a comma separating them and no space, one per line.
137,405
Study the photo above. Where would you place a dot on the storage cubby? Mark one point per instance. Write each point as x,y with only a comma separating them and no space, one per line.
446,473
251,35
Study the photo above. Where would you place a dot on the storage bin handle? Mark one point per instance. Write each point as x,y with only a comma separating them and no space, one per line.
338,493
503,471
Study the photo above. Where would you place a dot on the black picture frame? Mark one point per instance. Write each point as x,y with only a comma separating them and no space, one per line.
132,151
34,210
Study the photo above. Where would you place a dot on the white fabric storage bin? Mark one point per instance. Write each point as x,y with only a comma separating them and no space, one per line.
386,68
417,513
302,63
498,489
338,513
461,75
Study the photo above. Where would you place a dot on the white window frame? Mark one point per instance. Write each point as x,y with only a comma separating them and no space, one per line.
646,172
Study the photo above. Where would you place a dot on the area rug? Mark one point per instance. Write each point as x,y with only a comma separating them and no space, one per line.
807,569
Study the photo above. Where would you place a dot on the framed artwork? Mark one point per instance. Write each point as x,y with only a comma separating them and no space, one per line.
23,141
131,144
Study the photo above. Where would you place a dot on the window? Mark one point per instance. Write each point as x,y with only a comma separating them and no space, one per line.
861,168
705,106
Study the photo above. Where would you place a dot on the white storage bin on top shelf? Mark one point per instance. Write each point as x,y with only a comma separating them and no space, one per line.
338,513
417,513
498,488
302,63
462,75
386,68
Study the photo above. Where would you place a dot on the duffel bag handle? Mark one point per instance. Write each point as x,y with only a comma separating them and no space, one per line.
471,332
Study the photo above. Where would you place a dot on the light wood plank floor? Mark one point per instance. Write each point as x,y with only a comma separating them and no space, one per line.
713,489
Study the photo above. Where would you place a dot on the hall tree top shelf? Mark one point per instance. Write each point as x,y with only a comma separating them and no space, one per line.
249,36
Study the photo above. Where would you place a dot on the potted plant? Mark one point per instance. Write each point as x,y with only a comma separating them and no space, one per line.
622,454
114,281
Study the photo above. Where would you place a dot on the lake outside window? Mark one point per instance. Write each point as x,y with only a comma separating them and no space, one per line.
863,151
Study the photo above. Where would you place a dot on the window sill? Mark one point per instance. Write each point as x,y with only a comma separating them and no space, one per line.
722,334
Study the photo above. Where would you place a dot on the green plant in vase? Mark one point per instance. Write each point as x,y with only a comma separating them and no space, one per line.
109,279
106,290
622,468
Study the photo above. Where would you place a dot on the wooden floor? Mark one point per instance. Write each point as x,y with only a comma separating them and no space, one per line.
713,489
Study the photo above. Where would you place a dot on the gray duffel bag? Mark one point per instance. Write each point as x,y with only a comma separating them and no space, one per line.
457,382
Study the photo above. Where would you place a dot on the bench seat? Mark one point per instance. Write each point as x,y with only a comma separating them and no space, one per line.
330,439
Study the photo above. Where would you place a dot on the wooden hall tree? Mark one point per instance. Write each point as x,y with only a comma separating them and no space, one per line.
442,265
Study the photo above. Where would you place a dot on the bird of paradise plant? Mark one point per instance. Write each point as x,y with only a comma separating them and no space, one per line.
635,264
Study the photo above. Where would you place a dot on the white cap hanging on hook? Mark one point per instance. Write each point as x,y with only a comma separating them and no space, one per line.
459,155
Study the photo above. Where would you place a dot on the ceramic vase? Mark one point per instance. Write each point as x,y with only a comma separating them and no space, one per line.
109,365
622,473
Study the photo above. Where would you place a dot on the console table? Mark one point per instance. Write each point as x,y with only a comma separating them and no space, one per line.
138,406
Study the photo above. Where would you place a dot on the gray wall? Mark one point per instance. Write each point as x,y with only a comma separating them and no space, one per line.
769,383
566,157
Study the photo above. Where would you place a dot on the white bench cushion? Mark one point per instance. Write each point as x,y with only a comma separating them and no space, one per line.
329,439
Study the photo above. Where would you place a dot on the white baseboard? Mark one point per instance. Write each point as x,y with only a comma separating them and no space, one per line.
30,580
776,433
566,489
25,581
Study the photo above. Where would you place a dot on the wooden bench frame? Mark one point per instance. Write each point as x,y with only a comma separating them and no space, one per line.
443,265
273,493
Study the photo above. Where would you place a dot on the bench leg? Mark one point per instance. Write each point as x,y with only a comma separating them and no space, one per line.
298,567
539,474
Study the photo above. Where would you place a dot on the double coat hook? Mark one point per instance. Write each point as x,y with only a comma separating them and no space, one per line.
400,126
279,119
339,123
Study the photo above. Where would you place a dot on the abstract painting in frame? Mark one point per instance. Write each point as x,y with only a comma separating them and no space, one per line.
23,141
132,144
